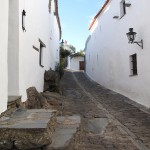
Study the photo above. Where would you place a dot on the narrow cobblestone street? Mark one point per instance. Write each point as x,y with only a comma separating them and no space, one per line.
108,120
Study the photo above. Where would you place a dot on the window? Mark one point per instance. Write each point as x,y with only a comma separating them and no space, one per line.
35,48
41,59
41,55
49,5
97,58
100,28
55,7
23,20
122,8
133,64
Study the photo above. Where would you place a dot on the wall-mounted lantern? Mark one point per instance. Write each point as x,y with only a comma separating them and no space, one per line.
115,16
131,37
62,43
127,3
23,20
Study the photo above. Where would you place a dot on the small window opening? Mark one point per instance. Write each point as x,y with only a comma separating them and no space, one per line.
23,20
49,5
122,8
55,7
41,56
133,64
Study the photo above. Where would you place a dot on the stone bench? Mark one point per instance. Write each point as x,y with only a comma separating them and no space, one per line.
27,129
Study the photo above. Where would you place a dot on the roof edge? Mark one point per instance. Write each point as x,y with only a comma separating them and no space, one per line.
58,19
101,10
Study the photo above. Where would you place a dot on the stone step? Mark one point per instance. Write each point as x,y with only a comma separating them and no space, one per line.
13,101
27,129
64,132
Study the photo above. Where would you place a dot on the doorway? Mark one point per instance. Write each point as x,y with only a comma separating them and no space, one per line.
81,65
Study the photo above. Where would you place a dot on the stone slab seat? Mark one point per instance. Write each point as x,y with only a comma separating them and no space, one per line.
13,101
27,129
65,130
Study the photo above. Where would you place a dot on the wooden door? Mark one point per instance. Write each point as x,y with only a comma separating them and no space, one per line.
81,65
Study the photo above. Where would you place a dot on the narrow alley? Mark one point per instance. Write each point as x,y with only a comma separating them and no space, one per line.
74,75
109,121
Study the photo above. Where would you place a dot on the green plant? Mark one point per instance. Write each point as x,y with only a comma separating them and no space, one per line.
78,54
64,53
60,69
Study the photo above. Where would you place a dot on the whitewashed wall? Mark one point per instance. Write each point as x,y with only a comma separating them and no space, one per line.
39,24
108,51
68,62
73,63
19,62
54,41
3,54
13,48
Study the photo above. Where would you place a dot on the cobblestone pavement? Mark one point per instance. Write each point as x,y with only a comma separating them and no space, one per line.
128,127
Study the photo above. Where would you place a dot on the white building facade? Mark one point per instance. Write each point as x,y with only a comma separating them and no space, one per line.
110,59
76,63
3,54
29,33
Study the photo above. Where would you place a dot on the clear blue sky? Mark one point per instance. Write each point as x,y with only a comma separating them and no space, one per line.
75,17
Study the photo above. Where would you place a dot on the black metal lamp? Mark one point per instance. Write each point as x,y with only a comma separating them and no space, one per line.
62,43
115,16
131,37
23,20
127,3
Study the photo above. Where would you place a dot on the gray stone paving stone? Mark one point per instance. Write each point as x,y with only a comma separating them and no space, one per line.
98,125
41,110
27,119
27,129
66,128
112,138
135,118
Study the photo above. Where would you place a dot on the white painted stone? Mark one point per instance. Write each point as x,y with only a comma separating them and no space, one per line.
39,24
3,54
108,51
19,62
13,48
74,63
